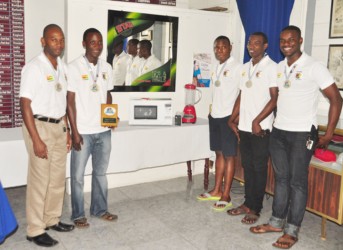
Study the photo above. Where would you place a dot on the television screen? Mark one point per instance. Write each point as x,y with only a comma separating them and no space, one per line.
142,49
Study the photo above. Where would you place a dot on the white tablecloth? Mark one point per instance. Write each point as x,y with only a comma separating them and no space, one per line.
139,147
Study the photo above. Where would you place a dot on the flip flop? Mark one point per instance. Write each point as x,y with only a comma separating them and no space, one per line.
242,209
286,241
207,197
81,223
250,218
109,217
265,228
221,206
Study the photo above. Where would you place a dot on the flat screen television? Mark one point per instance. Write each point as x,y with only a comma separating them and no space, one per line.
162,32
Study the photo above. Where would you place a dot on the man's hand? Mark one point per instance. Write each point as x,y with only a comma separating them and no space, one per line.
256,129
77,141
234,127
324,141
40,149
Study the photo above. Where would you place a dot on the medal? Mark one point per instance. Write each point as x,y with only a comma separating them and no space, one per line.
248,84
58,87
287,84
94,87
218,74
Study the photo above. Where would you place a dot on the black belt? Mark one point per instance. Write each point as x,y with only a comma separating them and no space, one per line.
46,119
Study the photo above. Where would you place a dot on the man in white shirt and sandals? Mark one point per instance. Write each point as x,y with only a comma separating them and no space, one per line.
294,137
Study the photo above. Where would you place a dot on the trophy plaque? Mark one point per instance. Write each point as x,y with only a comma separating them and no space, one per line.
109,115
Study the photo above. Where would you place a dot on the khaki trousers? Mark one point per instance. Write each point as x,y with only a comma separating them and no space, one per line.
46,178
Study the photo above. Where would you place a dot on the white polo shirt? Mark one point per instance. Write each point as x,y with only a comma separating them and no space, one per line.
132,71
254,98
45,86
89,97
149,64
297,104
224,95
119,68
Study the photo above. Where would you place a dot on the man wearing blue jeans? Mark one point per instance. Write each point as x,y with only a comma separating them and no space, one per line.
294,136
254,107
89,81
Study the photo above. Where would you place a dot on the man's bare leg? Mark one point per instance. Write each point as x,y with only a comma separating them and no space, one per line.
229,171
219,175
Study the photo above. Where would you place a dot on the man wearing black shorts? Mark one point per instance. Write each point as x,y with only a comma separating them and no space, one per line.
224,82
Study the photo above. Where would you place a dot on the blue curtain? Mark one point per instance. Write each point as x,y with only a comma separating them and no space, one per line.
268,16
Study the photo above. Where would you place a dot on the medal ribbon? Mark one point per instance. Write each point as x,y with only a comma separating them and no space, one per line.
94,78
290,73
221,70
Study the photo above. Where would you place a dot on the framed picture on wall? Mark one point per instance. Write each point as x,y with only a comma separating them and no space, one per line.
147,35
336,19
335,64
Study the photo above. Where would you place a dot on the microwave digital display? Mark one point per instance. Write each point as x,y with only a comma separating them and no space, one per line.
145,112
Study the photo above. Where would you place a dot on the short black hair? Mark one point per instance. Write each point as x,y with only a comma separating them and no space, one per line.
292,28
88,31
223,38
50,26
134,41
264,36
146,44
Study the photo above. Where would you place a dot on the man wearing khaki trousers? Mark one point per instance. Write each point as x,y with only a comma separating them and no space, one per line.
47,139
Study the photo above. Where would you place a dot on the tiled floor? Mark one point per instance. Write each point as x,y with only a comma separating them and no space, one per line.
166,215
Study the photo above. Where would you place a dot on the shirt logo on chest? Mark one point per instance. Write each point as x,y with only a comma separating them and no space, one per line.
85,77
50,78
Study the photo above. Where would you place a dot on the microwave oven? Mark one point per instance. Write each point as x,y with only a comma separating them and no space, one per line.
150,111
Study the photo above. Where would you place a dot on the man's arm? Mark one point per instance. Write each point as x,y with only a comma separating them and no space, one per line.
71,112
335,99
270,106
69,141
39,147
109,98
233,121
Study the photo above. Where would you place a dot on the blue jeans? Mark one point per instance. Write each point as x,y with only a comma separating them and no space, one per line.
254,156
290,157
99,146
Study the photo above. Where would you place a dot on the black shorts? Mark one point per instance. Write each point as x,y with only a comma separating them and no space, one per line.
222,138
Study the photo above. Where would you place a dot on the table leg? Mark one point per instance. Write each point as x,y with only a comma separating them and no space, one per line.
323,233
189,170
206,172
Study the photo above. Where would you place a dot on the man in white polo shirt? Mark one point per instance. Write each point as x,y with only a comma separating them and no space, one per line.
295,136
133,63
43,92
119,64
254,106
225,82
149,61
89,84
